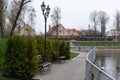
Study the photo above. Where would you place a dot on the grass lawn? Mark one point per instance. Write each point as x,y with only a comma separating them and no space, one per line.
72,55
96,43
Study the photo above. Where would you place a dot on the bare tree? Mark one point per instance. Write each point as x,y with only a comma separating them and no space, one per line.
94,19
103,19
32,15
21,4
55,17
11,14
2,17
117,21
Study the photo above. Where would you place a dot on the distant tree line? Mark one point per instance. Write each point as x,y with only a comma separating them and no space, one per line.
12,15
101,18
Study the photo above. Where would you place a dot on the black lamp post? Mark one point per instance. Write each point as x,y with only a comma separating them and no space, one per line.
46,11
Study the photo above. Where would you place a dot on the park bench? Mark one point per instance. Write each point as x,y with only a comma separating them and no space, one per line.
57,55
43,64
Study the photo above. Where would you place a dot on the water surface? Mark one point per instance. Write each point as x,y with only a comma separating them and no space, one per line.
110,62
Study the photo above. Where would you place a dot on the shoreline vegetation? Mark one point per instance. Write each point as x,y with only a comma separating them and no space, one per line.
102,46
96,43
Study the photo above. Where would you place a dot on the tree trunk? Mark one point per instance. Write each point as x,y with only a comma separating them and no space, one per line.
1,32
95,29
17,16
1,19
23,2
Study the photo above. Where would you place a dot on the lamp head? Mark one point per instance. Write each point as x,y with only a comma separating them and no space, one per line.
43,7
48,10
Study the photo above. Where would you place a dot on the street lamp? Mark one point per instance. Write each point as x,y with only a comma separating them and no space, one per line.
45,12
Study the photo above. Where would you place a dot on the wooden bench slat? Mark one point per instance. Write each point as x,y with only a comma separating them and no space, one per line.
57,55
43,64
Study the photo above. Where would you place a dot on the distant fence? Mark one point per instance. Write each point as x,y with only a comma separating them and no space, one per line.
64,37
92,71
109,38
81,48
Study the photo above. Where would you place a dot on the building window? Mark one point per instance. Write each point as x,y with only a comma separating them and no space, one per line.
60,31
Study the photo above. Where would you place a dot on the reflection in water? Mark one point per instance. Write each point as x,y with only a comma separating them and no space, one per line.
110,66
111,63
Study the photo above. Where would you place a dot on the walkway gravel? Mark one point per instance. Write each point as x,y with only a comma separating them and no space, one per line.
73,69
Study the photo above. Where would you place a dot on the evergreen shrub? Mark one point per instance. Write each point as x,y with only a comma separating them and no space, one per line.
55,45
49,48
64,49
40,45
21,58
61,47
2,52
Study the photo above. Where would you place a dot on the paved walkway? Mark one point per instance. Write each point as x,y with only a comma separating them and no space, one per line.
69,70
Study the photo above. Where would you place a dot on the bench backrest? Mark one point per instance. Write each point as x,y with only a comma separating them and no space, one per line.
40,59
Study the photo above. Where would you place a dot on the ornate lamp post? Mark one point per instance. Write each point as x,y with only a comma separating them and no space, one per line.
45,12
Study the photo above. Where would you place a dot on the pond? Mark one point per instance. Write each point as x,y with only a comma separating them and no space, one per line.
110,62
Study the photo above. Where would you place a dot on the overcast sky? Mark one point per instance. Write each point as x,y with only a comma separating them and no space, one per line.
75,13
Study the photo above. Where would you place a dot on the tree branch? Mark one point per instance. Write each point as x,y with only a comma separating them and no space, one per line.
26,2
22,3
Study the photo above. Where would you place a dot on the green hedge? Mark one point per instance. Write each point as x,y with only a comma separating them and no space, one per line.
64,49
2,52
21,58
40,45
56,45
53,45
50,49
18,55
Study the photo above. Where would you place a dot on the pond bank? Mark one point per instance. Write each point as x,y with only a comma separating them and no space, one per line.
108,49
100,49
